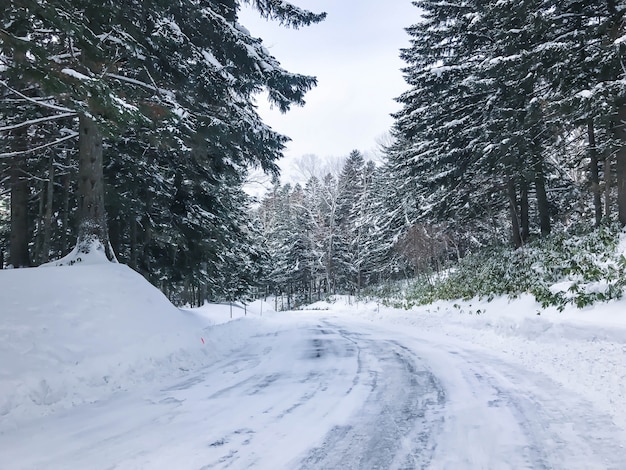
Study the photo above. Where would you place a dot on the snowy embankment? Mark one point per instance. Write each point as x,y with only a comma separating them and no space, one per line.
582,349
78,334
97,366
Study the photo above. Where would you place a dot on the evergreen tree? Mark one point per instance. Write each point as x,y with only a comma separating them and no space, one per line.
169,87
187,70
439,143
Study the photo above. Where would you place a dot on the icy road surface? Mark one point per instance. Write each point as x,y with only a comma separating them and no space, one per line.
330,393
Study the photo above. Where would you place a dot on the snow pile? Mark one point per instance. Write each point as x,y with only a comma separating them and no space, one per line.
77,334
582,349
94,254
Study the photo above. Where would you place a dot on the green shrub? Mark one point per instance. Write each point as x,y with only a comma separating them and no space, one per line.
585,264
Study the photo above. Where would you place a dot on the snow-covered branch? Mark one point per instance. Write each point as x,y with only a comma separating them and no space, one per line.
39,103
36,121
41,147
134,81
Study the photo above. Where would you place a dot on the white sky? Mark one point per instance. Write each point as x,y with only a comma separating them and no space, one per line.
354,54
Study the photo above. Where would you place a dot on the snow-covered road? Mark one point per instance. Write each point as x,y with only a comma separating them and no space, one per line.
316,392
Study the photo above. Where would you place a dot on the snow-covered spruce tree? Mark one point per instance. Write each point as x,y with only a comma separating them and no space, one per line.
362,228
516,126
475,130
383,219
438,152
315,236
22,126
583,59
353,260
185,71
186,227
350,190
283,220
331,235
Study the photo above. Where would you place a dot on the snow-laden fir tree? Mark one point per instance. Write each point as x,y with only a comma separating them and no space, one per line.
497,90
184,73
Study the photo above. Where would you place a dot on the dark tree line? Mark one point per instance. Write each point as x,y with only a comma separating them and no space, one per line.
515,112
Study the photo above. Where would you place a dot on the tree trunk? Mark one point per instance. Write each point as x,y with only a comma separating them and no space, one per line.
65,218
517,239
19,256
620,157
37,251
92,225
594,173
47,227
19,237
523,211
607,186
542,199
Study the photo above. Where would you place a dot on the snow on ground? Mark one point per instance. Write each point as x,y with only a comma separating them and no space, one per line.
583,349
76,334
99,370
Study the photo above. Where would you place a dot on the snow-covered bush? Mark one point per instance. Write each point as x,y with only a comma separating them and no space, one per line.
575,266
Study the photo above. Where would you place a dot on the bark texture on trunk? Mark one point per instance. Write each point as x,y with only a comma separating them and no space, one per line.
92,225
65,217
517,238
523,211
594,173
607,186
19,238
542,198
49,212
620,167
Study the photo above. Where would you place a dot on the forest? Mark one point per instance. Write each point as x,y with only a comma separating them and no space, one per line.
130,127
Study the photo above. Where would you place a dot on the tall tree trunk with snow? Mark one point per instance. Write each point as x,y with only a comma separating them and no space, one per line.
594,172
620,157
19,237
542,198
524,211
619,124
19,256
607,185
47,234
65,217
92,224
38,245
517,238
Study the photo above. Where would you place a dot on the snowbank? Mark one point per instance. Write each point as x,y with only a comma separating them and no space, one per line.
76,334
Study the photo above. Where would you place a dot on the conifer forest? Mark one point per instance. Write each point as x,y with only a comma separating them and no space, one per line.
130,127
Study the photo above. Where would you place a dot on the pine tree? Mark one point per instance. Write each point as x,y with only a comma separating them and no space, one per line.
439,143
184,72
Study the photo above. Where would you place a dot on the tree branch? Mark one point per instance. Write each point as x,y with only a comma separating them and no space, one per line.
136,82
41,147
36,121
45,105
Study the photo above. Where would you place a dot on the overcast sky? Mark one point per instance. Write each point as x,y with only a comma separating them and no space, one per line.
354,54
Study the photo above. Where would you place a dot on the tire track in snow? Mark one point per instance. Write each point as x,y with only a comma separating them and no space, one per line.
398,423
493,415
